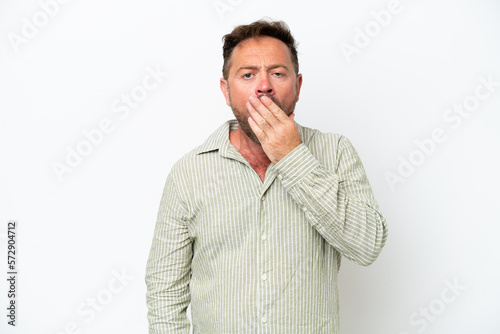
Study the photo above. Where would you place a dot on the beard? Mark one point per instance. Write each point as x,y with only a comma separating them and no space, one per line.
242,116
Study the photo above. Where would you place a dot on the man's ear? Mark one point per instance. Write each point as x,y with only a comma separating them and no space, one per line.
298,85
224,87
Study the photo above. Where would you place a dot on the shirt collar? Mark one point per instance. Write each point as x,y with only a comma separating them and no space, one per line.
219,140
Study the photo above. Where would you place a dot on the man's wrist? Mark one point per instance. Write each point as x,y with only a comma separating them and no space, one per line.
296,165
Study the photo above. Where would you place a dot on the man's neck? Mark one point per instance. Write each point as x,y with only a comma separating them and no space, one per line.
249,149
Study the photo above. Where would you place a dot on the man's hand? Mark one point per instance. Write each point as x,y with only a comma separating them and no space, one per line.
276,131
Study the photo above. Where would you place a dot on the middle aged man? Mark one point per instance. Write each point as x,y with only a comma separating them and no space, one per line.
252,224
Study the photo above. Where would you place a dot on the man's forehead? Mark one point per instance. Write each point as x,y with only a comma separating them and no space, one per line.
257,48
260,42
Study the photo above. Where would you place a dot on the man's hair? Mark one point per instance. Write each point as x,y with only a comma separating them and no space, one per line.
275,29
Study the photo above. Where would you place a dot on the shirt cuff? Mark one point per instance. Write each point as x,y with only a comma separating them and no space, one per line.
295,165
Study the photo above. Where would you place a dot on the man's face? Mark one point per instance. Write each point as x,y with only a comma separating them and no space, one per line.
260,66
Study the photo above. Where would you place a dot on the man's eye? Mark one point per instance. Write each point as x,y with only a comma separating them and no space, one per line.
278,74
247,75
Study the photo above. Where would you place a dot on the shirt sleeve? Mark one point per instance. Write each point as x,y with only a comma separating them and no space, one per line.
168,267
338,203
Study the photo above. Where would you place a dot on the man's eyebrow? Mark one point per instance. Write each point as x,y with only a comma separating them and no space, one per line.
270,67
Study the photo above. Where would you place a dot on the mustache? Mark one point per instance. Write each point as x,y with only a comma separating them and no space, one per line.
268,95
272,99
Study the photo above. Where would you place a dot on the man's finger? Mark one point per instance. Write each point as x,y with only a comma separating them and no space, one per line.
260,120
266,114
274,108
261,135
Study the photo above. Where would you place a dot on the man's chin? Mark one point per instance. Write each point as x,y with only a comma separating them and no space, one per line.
247,131
251,135
254,139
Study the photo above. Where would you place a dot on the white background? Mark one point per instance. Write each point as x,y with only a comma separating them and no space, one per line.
76,234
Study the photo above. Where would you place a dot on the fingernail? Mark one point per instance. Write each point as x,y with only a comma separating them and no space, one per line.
252,98
264,98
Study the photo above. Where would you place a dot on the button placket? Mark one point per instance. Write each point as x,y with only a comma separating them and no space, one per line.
264,262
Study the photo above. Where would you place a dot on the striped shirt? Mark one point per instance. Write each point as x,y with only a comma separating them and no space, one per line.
260,257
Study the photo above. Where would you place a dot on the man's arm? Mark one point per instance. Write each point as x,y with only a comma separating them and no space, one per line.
168,267
339,204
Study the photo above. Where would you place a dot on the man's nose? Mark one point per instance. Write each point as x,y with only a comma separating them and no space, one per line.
264,86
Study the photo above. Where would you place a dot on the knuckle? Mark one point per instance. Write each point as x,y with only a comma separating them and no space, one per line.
277,111
281,132
263,123
267,115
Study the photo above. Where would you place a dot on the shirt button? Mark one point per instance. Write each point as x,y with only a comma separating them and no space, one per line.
304,209
262,199
264,276
264,319
280,176
263,236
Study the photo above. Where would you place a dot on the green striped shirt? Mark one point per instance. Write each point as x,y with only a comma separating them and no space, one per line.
260,257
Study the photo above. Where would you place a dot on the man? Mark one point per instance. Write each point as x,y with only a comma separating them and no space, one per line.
253,223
